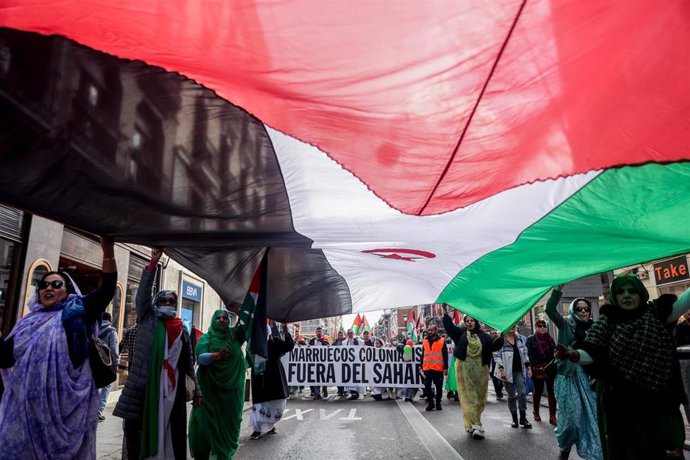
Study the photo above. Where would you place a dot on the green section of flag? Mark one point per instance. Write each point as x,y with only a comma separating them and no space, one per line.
623,217
246,320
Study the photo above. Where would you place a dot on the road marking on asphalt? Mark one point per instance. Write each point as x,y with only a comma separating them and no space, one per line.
438,447
323,416
298,413
351,415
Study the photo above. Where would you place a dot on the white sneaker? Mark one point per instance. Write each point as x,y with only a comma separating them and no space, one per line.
478,432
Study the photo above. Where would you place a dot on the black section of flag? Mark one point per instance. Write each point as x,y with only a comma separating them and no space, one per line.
116,146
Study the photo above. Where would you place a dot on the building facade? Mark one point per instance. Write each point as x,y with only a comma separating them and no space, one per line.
31,246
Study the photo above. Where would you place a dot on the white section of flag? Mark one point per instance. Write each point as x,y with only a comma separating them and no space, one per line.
335,209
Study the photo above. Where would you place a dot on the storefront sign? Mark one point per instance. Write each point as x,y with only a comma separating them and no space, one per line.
353,366
671,270
191,291
589,286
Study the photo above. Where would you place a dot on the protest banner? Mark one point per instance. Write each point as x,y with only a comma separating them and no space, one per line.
353,366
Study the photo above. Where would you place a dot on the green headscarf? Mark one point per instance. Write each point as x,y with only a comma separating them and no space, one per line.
228,373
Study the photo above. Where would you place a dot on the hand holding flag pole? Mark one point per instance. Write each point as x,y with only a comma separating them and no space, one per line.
252,318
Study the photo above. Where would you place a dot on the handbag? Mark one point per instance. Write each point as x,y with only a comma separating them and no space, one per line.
539,371
544,371
101,361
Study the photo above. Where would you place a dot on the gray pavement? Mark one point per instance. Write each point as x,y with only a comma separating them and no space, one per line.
386,430
367,429
109,434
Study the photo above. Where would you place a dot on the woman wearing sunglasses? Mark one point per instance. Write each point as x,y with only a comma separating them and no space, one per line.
50,405
630,350
540,348
576,416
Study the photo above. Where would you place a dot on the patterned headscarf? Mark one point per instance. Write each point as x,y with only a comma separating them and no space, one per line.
634,282
637,344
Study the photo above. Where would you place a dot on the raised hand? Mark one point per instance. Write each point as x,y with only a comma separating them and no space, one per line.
156,254
562,353
107,245
219,355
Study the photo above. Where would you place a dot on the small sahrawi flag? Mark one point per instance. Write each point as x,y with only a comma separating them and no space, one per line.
411,326
365,324
252,318
356,324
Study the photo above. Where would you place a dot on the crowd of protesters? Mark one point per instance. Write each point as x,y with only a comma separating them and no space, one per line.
614,385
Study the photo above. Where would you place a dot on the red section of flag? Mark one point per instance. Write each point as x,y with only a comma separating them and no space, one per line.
510,92
456,317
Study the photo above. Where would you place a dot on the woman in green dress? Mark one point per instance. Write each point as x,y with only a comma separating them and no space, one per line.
214,426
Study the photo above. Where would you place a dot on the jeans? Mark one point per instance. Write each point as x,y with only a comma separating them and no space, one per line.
409,393
516,393
105,391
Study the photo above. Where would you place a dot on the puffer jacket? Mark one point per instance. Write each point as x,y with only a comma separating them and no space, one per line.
131,402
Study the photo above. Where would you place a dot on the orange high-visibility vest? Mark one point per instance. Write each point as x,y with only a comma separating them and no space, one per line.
433,356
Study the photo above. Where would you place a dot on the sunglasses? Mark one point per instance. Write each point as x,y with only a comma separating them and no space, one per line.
167,301
582,309
541,325
55,284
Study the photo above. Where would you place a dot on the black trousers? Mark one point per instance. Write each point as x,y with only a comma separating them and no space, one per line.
178,420
437,378
498,386
132,438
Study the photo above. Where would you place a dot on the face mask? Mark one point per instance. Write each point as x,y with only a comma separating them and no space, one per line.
167,311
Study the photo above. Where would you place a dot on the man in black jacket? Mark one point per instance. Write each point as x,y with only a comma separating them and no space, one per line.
319,341
338,342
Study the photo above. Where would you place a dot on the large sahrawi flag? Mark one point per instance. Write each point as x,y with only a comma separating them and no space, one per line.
473,153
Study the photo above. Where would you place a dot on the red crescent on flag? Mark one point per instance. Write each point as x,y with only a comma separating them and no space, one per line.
396,254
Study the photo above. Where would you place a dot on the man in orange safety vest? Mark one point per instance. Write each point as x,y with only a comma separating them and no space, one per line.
434,365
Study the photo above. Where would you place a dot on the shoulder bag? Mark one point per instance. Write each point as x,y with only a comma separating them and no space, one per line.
101,362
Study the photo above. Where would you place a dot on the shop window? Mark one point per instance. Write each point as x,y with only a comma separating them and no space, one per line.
190,300
116,308
130,315
8,254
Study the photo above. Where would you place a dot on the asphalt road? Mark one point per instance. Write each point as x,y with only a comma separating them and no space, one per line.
367,429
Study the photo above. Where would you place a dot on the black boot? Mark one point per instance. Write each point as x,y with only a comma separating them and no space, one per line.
429,406
438,405
515,419
523,420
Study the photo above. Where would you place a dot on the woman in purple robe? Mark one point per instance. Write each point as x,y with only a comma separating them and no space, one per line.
50,405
